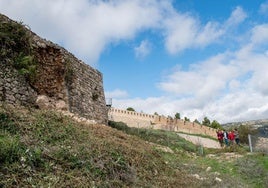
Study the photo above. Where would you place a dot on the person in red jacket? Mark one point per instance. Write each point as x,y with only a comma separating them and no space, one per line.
220,137
231,137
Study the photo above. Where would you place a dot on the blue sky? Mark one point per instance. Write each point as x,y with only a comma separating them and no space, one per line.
199,58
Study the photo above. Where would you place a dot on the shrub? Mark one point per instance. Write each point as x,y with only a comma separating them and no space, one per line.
244,131
26,66
15,45
13,39
118,125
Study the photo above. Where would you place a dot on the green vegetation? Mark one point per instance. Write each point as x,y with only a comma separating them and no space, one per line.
234,165
130,109
244,131
47,149
69,72
15,46
186,119
177,116
215,125
44,148
161,137
26,66
196,121
13,39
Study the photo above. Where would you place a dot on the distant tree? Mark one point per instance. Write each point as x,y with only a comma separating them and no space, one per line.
177,116
215,125
206,122
186,119
156,114
244,131
196,121
131,109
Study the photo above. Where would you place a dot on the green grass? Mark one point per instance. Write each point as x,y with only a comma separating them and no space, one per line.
242,171
47,149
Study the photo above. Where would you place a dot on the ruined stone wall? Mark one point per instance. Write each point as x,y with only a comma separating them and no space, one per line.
85,90
14,89
61,81
142,120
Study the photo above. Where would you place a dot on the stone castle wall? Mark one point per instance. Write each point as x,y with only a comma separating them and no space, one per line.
132,119
61,82
142,120
13,87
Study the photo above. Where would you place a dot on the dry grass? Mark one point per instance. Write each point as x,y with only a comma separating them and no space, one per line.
48,149
55,151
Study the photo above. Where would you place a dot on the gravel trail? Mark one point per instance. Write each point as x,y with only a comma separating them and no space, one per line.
206,142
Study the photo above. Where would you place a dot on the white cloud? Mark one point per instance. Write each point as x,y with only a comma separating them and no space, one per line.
204,80
234,85
237,17
209,33
117,93
86,27
143,49
180,32
229,86
161,105
183,31
264,8
259,34
235,106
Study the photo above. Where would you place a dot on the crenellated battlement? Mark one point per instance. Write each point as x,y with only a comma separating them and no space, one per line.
142,120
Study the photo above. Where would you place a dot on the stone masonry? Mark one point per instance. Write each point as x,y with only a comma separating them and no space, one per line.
142,120
62,82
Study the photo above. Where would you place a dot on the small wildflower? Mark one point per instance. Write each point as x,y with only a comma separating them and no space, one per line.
23,159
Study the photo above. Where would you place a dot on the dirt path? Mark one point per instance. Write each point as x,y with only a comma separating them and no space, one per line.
206,142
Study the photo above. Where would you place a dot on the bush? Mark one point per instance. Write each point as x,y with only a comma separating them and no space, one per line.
26,66
244,131
15,45
118,125
13,39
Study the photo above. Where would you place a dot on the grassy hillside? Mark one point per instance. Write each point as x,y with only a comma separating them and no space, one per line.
47,149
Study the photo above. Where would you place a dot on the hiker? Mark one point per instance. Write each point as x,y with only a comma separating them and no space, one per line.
225,137
236,135
231,137
220,137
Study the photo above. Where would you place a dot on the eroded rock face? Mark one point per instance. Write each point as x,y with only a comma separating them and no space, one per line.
61,105
45,102
61,81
